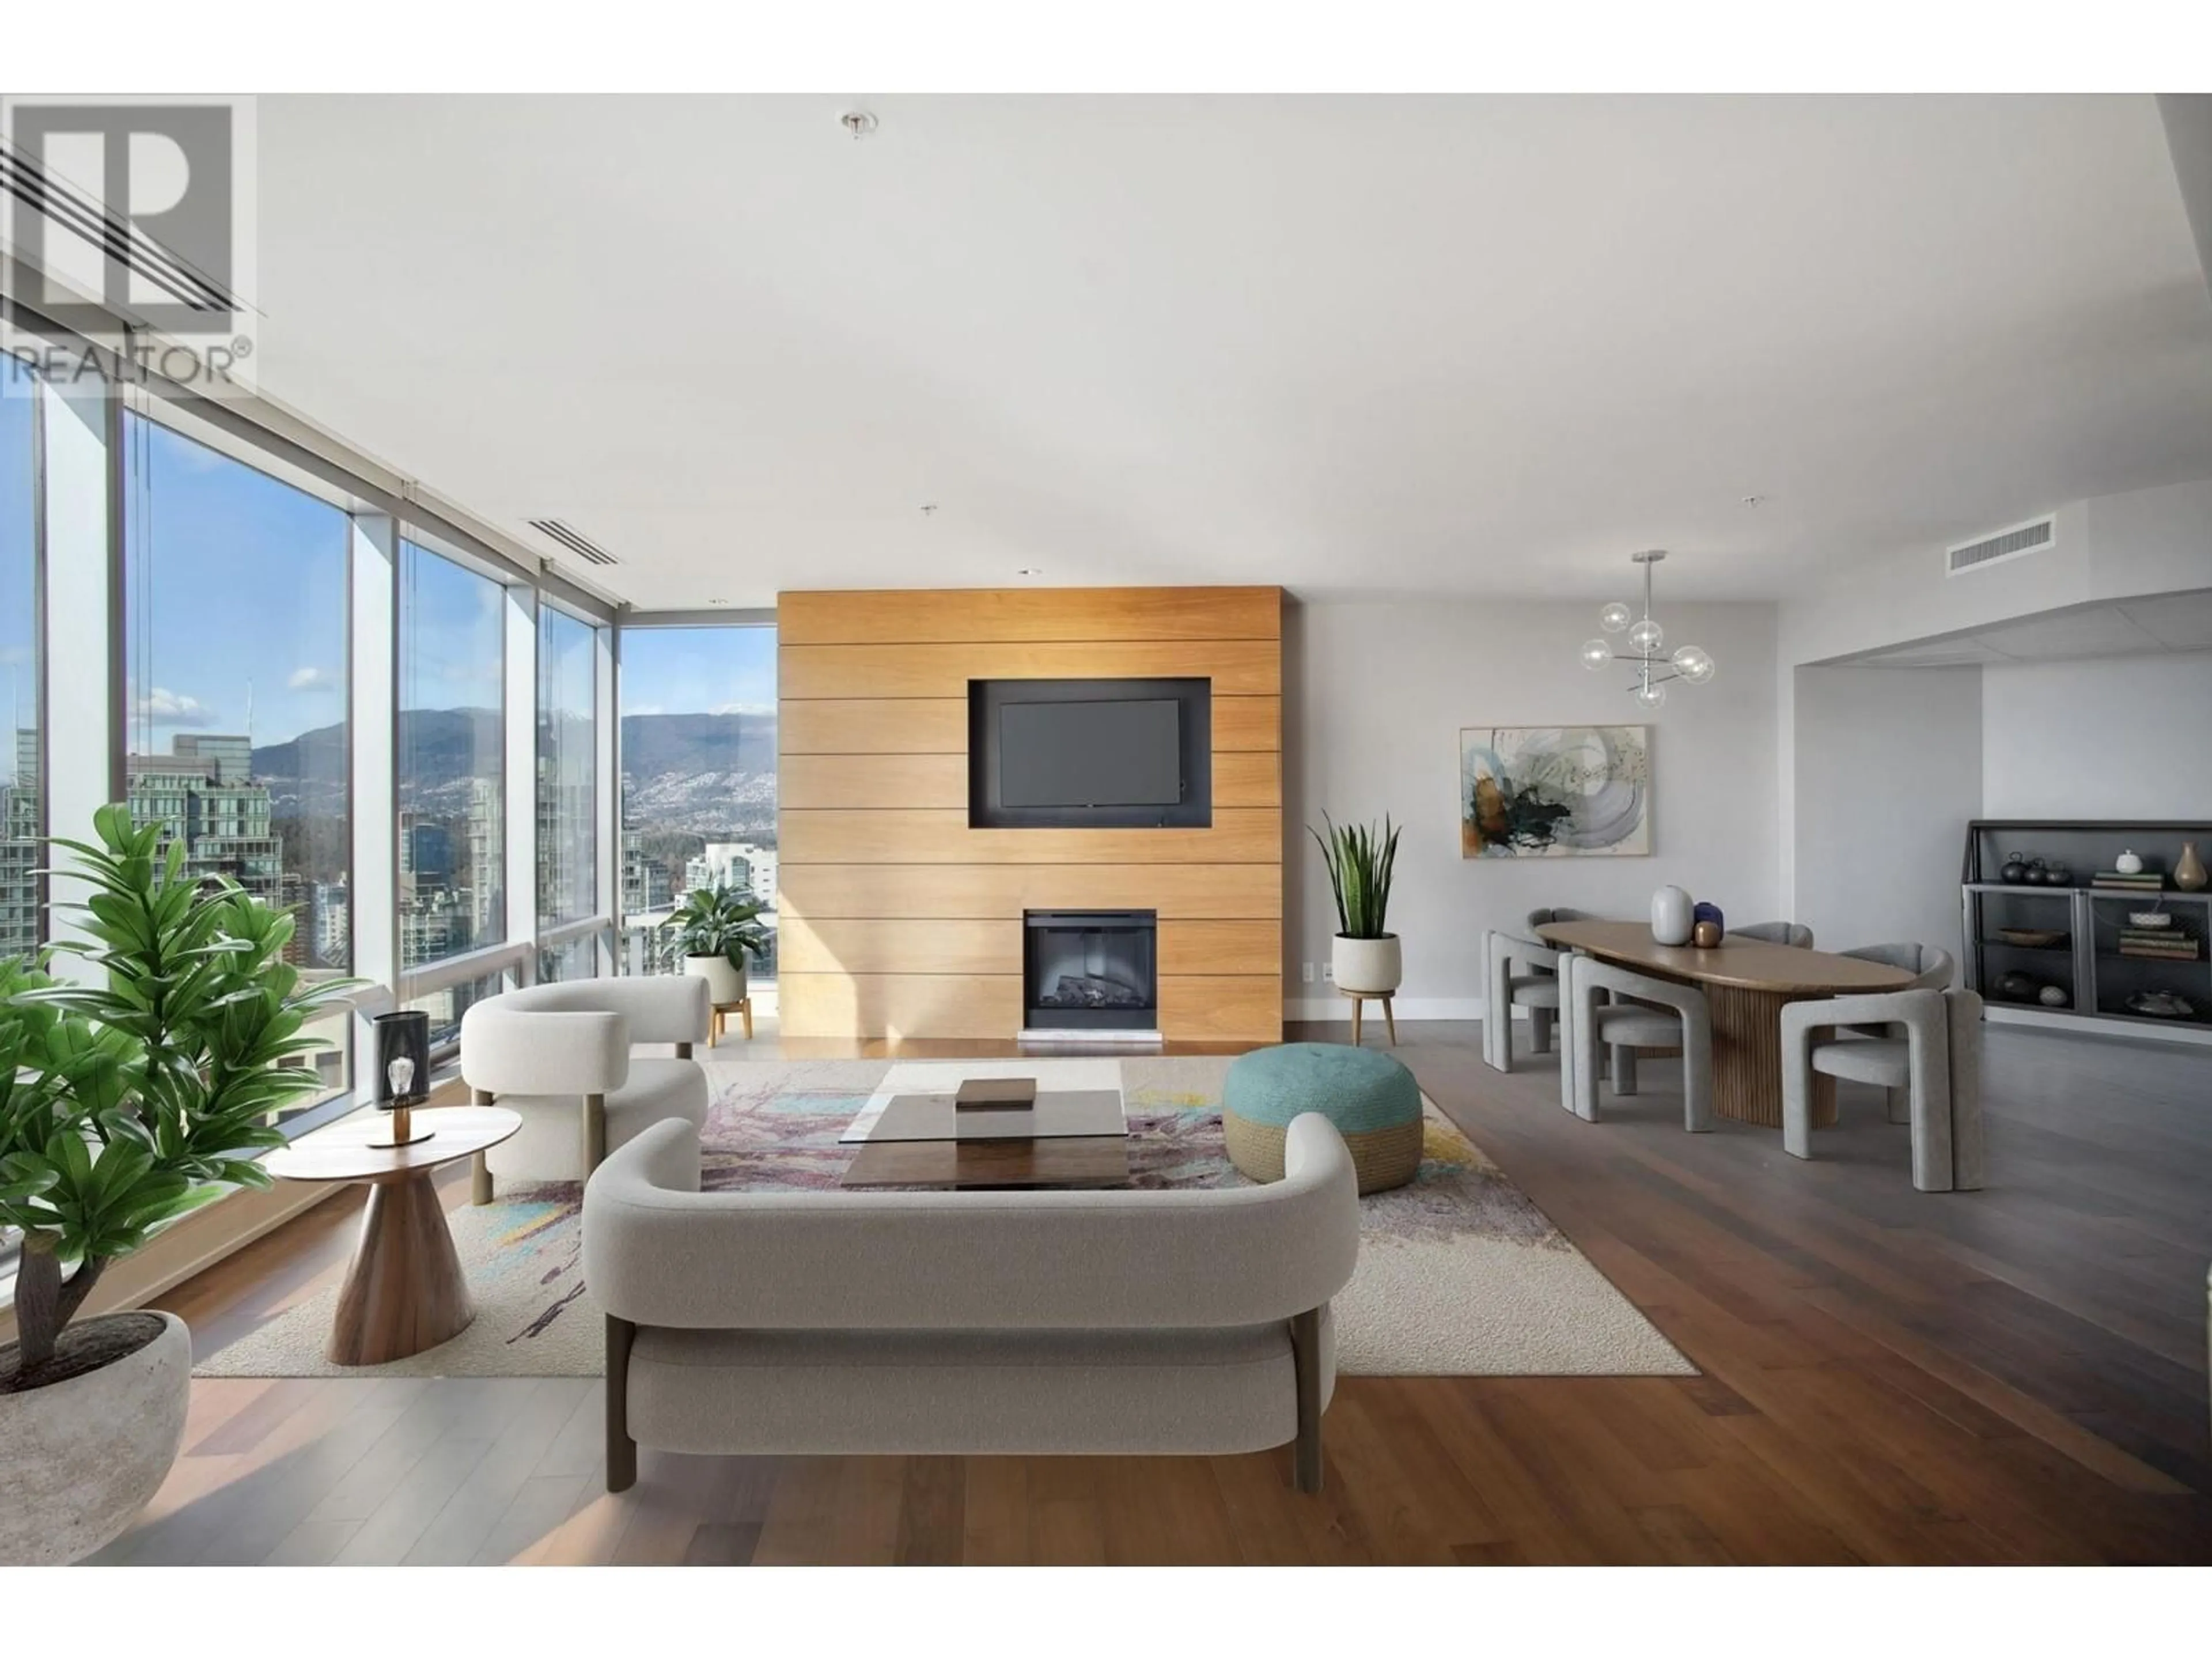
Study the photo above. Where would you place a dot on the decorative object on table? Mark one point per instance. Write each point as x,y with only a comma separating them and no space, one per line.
985,1093
403,1072
2016,870
1364,956
2052,996
2129,863
2150,918
1673,918
717,927
1706,935
2033,938
1704,914
2058,873
2161,1004
1371,1099
2189,870
1646,640
2016,987
1554,791
2038,873
117,1113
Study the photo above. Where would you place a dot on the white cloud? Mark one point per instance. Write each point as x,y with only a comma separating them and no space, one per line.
166,708
312,680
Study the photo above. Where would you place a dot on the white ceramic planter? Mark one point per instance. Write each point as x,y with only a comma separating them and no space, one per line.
78,1459
725,983
1672,916
1371,967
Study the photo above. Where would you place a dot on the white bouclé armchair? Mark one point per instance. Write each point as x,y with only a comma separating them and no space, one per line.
559,1055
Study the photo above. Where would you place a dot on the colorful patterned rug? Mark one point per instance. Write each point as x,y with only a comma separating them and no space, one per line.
1459,1273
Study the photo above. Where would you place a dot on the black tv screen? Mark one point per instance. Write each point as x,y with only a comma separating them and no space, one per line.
1090,754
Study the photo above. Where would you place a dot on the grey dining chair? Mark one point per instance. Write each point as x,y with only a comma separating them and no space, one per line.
1933,1058
1535,986
1777,932
1664,1014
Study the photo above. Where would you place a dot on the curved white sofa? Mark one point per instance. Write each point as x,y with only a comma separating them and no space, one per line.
559,1055
967,1322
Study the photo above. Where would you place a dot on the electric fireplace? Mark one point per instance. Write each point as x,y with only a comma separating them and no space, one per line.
1091,971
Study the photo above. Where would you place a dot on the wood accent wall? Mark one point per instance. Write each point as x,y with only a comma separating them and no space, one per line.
898,920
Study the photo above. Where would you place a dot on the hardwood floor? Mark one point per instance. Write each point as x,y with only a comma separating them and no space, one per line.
2012,1376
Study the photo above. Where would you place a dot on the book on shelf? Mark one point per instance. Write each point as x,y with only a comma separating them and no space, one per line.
2146,883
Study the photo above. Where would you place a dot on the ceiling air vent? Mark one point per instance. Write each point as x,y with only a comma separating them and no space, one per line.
2015,542
574,540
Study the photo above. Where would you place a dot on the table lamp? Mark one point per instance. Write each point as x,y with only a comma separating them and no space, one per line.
403,1072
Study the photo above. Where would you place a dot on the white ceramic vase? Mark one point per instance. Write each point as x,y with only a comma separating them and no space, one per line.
1371,967
2129,863
79,1458
726,981
1672,918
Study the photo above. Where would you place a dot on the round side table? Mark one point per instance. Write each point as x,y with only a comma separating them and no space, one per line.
404,1290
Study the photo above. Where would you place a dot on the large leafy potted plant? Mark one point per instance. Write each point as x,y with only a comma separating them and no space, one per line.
715,928
122,1105
1364,954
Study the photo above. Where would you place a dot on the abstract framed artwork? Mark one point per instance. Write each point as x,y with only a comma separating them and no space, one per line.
1554,791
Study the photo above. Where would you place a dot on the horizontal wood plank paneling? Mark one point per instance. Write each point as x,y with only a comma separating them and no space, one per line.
901,920
883,891
900,1005
955,616
1237,667
1221,1008
1190,948
1239,836
875,946
879,725
864,781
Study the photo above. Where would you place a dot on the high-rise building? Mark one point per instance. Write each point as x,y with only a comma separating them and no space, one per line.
200,795
18,850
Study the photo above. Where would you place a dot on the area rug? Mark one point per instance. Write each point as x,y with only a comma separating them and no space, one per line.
1459,1273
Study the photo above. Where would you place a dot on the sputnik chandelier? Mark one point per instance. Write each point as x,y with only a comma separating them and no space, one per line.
1646,640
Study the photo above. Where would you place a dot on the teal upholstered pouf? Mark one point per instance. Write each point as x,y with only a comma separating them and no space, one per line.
1372,1100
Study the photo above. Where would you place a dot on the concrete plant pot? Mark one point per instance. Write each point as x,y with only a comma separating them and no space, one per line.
725,982
80,1457
1372,967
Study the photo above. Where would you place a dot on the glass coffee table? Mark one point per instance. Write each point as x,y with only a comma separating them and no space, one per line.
1071,1138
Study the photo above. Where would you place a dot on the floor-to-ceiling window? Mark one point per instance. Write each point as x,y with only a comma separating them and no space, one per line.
450,772
568,752
20,929
235,623
698,775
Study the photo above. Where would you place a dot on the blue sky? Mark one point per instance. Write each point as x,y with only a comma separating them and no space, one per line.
693,671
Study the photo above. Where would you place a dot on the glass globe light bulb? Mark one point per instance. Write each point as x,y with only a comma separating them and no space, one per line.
1615,616
1650,696
1596,654
1693,665
1647,636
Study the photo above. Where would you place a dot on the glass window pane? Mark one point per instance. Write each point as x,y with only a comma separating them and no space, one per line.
577,959
568,764
20,771
698,759
452,759
446,1007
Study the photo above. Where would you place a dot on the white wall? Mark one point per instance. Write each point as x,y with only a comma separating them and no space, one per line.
1889,773
1375,696
2129,738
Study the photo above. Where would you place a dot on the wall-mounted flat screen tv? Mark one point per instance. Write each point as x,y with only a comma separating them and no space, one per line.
1075,754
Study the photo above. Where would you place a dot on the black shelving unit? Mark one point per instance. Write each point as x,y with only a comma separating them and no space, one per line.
2085,968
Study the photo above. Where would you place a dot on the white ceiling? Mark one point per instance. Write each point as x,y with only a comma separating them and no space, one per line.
1411,344
2163,625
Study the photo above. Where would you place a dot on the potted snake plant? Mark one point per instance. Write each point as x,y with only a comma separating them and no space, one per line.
123,1103
1365,954
716,928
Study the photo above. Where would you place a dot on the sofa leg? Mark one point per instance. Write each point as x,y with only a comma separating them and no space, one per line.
1305,1347
479,1166
595,1132
622,1450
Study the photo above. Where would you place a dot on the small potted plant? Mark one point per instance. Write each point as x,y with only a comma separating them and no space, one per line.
1365,954
122,1105
715,928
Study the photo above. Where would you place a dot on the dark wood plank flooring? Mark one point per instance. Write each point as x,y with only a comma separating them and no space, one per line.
2013,1376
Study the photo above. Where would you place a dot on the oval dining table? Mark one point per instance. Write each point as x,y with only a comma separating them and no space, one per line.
1746,982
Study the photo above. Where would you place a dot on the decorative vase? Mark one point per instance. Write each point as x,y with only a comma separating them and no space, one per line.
2129,863
2015,870
2059,874
80,1457
1705,911
2016,987
2189,869
2051,996
1370,967
1671,916
726,981
1706,935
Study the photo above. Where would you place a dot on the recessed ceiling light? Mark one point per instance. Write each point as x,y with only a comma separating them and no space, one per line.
1753,501
718,601
1031,570
858,122
928,508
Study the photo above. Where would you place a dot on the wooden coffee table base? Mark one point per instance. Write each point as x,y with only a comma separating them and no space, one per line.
404,1290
